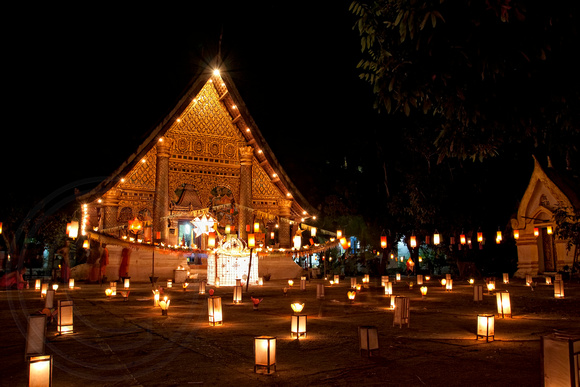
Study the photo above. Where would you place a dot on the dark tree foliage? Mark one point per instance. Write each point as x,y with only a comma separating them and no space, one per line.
475,76
460,81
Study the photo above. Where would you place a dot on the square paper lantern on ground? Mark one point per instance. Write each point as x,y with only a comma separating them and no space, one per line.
126,283
43,290
477,292
37,284
506,278
388,288
49,300
419,279
560,360
353,283
320,291
398,276
202,287
237,294
392,299
559,289
504,308
40,371
384,280
65,317
71,283
35,335
265,354
528,279
368,340
302,283
336,278
298,326
548,280
449,285
402,315
214,310
485,326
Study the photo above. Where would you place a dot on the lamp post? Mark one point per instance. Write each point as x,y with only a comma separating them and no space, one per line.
251,245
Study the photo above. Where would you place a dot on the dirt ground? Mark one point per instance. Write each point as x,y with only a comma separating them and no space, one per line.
130,343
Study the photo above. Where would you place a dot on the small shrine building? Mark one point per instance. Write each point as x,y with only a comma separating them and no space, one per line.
540,250
206,159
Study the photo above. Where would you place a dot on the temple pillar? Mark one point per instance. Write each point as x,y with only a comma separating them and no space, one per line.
245,213
172,234
161,196
284,238
109,210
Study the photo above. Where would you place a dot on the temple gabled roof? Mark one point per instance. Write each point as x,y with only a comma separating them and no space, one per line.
547,188
241,118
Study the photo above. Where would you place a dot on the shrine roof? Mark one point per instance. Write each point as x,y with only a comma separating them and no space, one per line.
240,117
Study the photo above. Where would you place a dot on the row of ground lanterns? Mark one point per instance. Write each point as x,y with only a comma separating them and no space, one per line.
558,346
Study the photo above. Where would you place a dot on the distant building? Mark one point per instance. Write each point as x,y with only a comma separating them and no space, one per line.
539,249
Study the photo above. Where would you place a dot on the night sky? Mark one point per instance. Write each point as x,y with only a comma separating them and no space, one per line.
90,82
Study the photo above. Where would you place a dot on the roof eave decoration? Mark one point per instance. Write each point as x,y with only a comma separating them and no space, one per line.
264,153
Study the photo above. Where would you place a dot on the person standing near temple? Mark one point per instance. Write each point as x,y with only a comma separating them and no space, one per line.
94,254
124,267
64,252
104,261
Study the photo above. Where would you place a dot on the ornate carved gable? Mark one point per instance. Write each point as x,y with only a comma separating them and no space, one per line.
205,129
262,187
204,146
202,137
142,176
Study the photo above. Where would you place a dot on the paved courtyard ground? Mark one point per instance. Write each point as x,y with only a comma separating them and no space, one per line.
130,343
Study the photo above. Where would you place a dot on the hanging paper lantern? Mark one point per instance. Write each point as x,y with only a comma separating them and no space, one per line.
498,237
135,225
384,242
413,241
516,234
211,240
462,239
536,232
297,242
480,237
436,238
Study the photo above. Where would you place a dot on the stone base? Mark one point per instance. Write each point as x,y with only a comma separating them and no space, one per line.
139,264
279,266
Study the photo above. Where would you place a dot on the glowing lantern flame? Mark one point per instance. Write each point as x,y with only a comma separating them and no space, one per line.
297,307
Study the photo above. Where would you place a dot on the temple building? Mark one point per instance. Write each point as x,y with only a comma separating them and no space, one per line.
206,161
540,250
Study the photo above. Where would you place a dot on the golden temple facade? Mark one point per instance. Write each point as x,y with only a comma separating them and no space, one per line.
206,157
